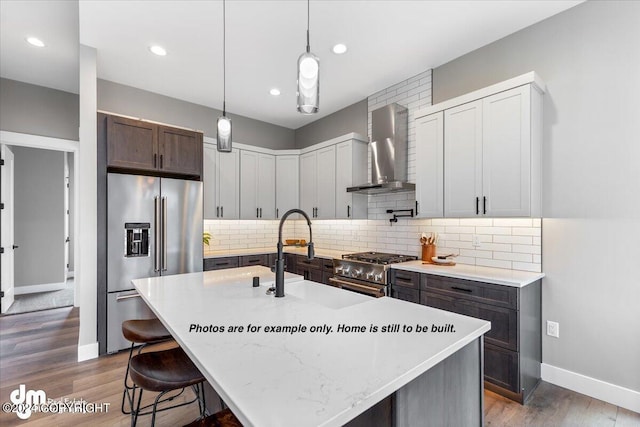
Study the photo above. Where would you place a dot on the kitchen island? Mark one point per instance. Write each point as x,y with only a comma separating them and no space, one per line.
322,356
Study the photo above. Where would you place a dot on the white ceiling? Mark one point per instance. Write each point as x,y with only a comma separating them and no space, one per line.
388,41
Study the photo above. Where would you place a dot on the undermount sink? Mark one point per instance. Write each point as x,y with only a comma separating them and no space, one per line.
324,295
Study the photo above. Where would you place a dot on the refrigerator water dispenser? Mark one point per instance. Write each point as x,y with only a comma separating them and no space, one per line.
136,239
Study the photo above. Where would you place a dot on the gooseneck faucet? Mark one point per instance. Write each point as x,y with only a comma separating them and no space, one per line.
280,257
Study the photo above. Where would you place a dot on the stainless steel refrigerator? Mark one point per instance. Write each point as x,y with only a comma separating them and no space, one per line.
154,228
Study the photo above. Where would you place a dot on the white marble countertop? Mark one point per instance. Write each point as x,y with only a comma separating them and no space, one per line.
303,378
320,253
498,276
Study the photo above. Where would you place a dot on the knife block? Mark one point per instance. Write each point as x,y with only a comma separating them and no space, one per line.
428,252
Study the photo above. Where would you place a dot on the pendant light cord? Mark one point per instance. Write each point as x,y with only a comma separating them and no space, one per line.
224,59
308,49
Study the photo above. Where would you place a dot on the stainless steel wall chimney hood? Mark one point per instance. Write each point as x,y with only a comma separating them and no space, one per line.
389,161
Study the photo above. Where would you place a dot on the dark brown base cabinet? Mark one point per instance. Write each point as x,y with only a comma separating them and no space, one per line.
512,350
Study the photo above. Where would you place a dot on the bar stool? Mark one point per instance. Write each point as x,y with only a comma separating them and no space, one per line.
224,418
140,331
164,371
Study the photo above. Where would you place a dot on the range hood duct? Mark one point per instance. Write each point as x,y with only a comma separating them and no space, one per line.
389,157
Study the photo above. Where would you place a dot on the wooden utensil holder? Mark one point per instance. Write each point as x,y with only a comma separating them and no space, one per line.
428,252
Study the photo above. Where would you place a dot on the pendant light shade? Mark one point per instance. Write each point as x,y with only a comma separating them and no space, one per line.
308,79
224,134
223,126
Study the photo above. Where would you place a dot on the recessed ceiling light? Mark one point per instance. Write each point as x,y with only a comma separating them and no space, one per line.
339,49
35,41
158,50
275,91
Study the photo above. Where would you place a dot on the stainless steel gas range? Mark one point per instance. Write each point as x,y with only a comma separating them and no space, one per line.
365,272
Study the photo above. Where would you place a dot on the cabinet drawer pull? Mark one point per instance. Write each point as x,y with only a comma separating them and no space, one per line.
161,161
455,288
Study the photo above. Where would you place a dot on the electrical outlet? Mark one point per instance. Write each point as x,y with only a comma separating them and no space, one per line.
475,241
553,329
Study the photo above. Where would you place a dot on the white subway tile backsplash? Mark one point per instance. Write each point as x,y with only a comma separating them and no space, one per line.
526,231
527,249
460,229
512,256
493,263
493,230
527,266
513,222
521,240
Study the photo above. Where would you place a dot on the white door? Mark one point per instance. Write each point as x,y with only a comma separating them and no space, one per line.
463,160
210,182
249,185
430,166
506,153
267,186
344,179
308,176
326,183
6,215
229,184
287,183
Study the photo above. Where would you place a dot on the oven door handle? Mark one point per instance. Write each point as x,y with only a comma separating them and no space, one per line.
370,290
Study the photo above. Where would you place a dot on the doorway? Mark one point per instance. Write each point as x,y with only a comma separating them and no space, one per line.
38,223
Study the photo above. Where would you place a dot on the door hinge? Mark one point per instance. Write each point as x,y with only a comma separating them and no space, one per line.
67,211
67,265
1,162
1,294
1,205
1,250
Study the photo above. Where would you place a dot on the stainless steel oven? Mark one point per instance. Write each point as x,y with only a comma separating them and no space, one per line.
365,272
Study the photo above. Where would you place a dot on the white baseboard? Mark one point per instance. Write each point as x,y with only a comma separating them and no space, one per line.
87,351
611,393
32,289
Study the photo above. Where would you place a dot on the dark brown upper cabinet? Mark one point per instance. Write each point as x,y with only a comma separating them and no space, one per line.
139,146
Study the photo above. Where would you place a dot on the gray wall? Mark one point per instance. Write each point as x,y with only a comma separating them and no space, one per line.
589,57
39,216
130,101
350,119
38,110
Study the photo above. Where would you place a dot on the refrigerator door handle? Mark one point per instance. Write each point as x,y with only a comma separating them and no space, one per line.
164,234
156,226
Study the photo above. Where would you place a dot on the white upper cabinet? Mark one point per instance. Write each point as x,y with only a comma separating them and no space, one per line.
506,153
287,183
257,185
463,160
351,169
221,178
492,142
308,183
430,166
318,183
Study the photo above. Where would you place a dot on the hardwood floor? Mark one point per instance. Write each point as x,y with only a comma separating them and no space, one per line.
40,350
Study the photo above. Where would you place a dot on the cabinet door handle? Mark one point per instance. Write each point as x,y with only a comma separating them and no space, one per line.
477,205
260,212
155,160
348,211
161,161
222,211
217,211
277,213
416,208
257,213
484,205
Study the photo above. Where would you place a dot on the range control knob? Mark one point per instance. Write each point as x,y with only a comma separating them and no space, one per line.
370,275
378,277
356,273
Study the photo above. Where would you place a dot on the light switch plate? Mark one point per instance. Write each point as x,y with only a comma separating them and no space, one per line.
553,329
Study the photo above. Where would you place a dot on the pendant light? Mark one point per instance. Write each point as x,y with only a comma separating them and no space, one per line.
308,79
224,123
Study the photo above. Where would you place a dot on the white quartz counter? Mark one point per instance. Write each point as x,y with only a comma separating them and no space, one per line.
319,252
317,378
498,276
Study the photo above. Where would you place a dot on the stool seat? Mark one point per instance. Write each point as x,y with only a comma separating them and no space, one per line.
224,418
144,330
164,370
